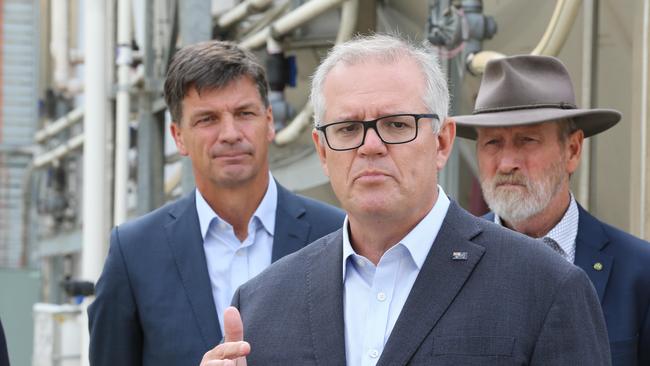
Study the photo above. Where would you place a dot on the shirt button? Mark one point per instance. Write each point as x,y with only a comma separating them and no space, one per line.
373,353
381,296
240,253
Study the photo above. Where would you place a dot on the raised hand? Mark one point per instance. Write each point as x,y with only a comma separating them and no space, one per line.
233,351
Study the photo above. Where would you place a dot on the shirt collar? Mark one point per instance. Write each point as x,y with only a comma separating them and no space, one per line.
566,230
418,241
265,211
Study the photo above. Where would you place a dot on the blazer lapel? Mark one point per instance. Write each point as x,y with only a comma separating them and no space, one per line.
186,243
439,281
291,231
590,242
324,278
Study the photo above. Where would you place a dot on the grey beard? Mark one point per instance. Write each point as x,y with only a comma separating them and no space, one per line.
519,204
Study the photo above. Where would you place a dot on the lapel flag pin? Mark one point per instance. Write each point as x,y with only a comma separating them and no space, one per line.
459,256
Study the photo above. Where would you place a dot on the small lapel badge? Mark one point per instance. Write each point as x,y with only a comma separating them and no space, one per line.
459,256
598,266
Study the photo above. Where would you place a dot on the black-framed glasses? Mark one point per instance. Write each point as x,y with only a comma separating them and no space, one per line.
393,129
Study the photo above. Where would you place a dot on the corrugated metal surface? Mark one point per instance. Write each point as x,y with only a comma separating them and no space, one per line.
18,120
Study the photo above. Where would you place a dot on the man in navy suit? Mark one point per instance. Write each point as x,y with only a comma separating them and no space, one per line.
171,272
410,278
529,136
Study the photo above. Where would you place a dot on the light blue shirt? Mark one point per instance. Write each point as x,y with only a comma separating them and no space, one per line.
232,262
374,295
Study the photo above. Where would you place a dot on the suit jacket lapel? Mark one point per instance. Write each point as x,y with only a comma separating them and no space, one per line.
590,242
436,286
186,243
324,277
291,231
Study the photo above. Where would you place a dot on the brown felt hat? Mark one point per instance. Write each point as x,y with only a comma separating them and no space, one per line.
522,90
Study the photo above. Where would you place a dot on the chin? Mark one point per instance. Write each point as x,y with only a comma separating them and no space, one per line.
234,178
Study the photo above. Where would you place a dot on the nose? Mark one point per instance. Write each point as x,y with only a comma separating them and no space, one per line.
229,132
372,144
509,161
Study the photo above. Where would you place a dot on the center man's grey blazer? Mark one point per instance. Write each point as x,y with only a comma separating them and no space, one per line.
512,301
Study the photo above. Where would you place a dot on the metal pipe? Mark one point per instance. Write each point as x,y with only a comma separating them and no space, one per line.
73,117
94,155
122,110
644,118
478,61
551,42
349,14
558,28
290,21
59,47
94,207
588,55
58,152
241,11
293,130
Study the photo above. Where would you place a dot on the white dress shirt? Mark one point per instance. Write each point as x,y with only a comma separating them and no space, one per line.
374,295
565,232
232,262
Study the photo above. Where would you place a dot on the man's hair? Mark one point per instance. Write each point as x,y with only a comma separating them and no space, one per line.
210,65
566,127
386,49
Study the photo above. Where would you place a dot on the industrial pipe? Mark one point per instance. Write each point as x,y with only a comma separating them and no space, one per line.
94,154
551,42
290,21
588,55
349,14
558,28
241,11
122,111
59,44
58,152
71,118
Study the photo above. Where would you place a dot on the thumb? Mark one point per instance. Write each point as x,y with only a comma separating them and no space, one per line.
232,325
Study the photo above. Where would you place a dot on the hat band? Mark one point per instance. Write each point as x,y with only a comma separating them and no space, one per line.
561,105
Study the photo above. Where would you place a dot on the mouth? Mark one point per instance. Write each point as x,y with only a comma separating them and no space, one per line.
231,157
510,185
371,176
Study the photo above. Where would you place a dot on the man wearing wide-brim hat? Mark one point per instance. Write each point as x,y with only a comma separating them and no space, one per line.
529,134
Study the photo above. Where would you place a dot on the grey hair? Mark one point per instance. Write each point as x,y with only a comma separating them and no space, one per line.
567,126
386,49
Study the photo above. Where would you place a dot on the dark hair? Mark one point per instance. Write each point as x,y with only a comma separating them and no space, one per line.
210,65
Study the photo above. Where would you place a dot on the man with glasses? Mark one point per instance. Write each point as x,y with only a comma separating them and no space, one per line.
411,278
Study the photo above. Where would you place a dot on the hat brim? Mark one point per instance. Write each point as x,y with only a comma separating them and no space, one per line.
590,121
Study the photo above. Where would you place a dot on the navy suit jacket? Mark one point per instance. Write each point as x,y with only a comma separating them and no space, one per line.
622,284
154,303
509,301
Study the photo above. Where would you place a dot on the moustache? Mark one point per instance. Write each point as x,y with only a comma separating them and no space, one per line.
513,178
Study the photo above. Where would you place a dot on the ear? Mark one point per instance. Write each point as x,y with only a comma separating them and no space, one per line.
445,141
270,135
175,130
573,150
321,149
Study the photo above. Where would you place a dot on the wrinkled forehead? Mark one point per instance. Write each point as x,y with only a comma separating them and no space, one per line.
372,88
